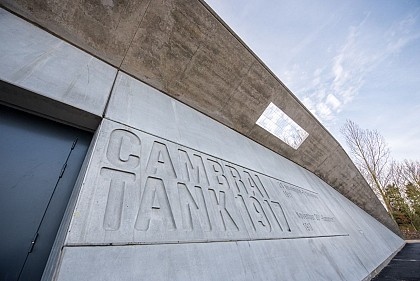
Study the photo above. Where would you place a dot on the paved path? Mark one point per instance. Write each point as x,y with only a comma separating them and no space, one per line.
405,266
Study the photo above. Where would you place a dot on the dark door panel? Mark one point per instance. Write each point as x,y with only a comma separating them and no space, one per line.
34,190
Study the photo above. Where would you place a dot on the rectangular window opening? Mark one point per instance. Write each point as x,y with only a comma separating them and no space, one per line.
276,122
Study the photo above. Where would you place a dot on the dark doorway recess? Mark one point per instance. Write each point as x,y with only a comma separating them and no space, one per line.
39,163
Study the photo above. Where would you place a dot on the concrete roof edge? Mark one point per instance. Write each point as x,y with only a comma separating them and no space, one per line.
225,25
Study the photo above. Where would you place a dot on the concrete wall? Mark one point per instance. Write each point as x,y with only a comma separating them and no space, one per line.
167,193
183,49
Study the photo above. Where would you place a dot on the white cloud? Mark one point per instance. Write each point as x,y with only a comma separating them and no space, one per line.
324,111
333,102
335,85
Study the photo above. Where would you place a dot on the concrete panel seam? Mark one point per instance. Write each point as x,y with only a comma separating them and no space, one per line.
135,33
200,241
110,94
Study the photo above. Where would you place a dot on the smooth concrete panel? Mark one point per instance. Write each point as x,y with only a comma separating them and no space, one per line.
371,240
141,189
303,259
205,134
278,166
203,261
353,256
147,203
312,259
142,107
39,62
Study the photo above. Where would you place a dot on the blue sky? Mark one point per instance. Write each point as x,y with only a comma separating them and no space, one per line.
357,60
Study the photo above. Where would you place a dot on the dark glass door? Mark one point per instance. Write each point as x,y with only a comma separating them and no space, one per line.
39,163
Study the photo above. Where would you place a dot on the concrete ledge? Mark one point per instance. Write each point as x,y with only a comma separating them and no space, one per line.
35,60
28,101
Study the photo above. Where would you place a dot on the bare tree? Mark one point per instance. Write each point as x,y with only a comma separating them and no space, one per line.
410,171
371,156
396,174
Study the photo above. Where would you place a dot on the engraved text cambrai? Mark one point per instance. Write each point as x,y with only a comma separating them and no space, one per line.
167,191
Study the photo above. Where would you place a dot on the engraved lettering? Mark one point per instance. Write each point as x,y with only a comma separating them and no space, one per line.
242,204
217,172
299,190
154,206
262,186
115,200
308,226
193,214
280,215
275,223
305,216
251,185
327,219
124,149
240,186
288,194
160,162
260,216
225,219
193,197
193,171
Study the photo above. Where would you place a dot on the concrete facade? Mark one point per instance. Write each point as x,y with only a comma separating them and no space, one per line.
184,50
180,183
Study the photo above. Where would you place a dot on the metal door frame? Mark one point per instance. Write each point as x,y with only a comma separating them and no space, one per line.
50,269
23,100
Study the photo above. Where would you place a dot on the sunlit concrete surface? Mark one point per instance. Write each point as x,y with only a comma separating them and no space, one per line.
179,182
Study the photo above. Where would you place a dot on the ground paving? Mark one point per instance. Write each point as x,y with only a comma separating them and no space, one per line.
405,266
